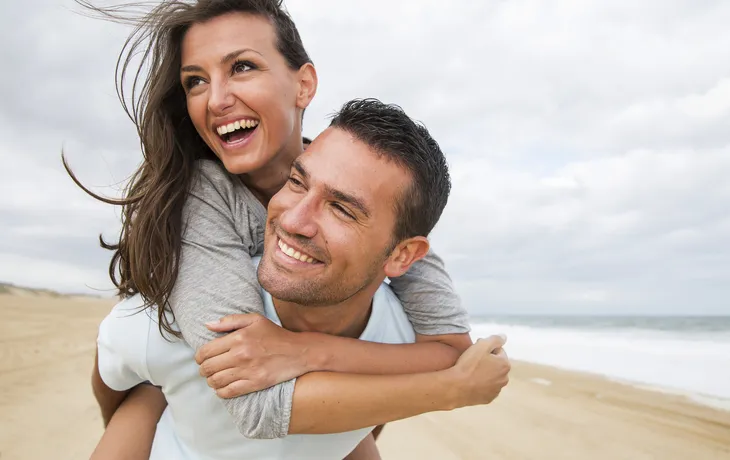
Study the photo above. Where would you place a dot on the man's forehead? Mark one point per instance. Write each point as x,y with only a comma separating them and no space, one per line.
340,161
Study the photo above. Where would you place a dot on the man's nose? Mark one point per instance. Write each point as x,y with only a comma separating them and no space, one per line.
300,219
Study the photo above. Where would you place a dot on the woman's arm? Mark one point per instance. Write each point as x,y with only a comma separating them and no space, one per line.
432,304
131,431
336,402
259,354
223,228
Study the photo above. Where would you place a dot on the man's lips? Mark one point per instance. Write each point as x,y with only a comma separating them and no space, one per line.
296,253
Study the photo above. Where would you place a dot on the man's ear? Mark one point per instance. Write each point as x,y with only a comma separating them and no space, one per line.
307,76
405,254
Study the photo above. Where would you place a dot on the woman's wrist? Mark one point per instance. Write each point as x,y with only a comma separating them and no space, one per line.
316,354
454,391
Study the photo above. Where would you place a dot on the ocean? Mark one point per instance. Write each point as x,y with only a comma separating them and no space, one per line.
689,356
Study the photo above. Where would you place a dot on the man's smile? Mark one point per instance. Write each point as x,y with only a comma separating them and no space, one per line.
295,254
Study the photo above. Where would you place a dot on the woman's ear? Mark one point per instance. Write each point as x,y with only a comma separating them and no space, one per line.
307,78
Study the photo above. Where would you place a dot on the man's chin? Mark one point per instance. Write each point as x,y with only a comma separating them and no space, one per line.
277,281
286,291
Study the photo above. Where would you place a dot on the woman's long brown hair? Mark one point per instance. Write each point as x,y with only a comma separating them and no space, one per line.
145,258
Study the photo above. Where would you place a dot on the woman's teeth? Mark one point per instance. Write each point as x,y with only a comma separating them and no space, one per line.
230,127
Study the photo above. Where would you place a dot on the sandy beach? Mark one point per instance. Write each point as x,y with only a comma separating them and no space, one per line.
46,351
547,413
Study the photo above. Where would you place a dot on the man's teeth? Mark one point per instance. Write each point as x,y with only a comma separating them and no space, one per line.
230,127
291,252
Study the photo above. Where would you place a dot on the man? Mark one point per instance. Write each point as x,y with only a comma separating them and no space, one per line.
358,207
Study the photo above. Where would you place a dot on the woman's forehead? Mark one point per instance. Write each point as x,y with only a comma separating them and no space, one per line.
229,32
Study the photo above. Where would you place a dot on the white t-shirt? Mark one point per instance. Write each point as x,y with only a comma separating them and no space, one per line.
195,424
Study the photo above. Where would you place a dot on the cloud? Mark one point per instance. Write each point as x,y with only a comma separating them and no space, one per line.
616,234
588,141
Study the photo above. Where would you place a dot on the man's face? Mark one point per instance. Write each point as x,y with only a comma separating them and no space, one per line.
330,228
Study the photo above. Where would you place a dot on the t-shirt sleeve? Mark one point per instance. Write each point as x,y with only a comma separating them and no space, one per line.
429,298
122,346
222,230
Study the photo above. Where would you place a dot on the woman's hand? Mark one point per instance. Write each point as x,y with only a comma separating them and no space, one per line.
481,371
256,355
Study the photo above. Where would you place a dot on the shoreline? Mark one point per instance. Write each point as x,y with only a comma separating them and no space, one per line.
718,403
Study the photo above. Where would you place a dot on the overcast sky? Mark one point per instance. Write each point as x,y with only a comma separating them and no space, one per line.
589,142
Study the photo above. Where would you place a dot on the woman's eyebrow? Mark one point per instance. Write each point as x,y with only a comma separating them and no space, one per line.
227,58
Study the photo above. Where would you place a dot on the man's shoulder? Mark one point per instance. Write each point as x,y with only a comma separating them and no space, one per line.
134,313
130,309
132,302
388,320
122,344
131,330
127,318
386,294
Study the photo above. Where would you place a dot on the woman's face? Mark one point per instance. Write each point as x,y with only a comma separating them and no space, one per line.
242,97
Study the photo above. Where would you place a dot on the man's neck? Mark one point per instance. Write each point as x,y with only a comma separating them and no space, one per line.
345,319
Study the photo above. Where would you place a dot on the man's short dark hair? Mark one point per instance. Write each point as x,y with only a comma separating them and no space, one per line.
389,131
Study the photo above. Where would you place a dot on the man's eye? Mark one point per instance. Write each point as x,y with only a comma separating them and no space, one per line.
294,182
342,211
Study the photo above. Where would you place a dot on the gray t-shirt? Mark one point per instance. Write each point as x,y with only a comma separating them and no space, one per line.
223,228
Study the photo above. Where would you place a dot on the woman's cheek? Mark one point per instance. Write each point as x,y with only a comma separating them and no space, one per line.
197,110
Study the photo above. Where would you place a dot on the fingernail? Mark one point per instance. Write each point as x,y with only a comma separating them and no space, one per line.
212,323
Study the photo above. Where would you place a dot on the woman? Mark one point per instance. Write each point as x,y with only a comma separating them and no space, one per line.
229,82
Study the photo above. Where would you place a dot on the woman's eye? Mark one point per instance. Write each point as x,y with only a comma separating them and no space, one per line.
242,66
192,82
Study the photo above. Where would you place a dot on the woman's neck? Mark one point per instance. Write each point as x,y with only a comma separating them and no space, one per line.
267,181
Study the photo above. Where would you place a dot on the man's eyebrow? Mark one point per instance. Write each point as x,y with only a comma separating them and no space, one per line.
339,195
352,200
227,58
300,168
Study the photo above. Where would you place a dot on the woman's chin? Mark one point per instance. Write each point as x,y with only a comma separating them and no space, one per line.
239,164
234,165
